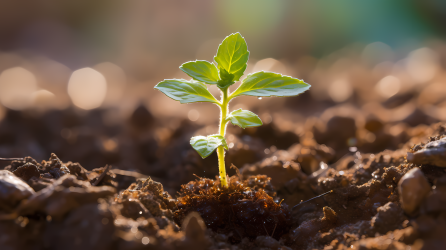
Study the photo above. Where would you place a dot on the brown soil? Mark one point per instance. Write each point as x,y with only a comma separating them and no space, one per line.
239,210
364,211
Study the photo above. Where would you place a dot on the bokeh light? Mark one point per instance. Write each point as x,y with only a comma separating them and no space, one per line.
340,90
422,64
17,86
193,115
87,88
388,86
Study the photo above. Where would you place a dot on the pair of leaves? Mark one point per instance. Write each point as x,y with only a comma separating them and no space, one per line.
205,145
257,84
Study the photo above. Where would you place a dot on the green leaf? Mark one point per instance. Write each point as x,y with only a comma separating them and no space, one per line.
206,145
202,71
244,118
270,84
185,91
226,79
232,55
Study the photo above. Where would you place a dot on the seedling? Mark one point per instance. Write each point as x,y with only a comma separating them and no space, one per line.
230,64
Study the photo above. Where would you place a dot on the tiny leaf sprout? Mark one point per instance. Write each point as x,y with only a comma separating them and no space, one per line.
229,66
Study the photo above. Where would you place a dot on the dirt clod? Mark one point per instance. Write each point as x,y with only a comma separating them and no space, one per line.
134,209
152,195
62,196
329,215
389,217
27,171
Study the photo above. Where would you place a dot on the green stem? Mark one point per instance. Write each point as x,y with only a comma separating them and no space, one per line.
222,129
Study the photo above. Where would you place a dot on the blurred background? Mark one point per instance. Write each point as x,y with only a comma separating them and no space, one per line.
77,76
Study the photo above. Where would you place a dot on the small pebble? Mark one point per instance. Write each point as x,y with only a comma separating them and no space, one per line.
433,153
13,189
413,188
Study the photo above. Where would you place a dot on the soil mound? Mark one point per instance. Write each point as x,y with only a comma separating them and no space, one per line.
243,210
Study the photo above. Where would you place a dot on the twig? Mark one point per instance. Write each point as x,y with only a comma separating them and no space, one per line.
107,168
329,192
274,230
129,173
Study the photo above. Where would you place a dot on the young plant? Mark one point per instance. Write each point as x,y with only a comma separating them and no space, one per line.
230,64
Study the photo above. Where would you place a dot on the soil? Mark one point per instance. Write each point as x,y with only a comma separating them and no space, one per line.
137,183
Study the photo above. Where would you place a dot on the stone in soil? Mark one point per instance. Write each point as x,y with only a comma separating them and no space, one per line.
12,190
413,187
433,153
